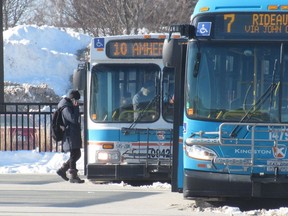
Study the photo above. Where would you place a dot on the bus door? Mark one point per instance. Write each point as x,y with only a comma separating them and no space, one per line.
168,95
174,52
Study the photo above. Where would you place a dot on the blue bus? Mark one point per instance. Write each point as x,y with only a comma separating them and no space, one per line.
233,133
128,114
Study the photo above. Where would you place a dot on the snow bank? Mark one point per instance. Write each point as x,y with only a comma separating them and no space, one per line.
38,55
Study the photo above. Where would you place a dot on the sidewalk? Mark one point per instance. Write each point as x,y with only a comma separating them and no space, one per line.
48,195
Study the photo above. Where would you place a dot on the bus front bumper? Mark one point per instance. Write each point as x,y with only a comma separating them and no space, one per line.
199,184
128,172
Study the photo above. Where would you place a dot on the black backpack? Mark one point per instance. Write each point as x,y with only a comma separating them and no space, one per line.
57,125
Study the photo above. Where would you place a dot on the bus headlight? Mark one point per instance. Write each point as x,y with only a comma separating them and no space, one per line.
107,157
200,152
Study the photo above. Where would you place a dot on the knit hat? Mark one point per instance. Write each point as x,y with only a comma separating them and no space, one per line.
74,94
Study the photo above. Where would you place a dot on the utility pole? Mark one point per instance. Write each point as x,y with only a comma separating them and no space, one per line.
1,59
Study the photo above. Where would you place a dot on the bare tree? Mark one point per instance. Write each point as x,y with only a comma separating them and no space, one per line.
13,11
59,12
111,17
81,15
100,16
130,14
127,16
160,14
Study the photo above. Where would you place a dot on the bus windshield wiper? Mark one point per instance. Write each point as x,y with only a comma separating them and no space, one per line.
258,103
254,108
197,64
142,112
273,81
197,60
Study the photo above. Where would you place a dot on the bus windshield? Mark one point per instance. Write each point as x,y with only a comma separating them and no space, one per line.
125,93
244,82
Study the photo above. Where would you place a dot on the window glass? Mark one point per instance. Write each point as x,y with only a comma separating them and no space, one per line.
234,81
125,93
168,94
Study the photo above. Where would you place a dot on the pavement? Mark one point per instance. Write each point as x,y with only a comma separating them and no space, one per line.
47,194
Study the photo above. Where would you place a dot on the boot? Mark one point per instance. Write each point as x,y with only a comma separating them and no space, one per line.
74,177
62,171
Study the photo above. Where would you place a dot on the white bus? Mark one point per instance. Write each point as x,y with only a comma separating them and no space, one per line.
127,137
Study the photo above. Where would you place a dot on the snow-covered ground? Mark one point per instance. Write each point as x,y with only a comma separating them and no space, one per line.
46,55
29,162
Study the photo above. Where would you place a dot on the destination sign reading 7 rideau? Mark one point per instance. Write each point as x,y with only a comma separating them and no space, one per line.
246,25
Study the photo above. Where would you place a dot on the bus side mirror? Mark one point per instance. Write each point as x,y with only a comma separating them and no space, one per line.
186,30
172,48
172,51
79,75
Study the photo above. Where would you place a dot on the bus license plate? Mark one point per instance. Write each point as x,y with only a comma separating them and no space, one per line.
282,165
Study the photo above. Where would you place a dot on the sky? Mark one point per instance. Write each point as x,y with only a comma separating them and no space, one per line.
36,55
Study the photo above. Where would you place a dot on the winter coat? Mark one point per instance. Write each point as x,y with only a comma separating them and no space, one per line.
71,118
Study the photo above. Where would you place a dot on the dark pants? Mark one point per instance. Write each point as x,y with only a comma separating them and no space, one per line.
75,155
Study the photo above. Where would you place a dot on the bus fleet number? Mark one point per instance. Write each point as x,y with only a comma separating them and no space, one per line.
157,153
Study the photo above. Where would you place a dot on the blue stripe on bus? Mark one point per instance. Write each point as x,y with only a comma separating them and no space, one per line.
117,135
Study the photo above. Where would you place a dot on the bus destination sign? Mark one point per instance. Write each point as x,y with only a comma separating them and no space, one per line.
256,23
148,48
251,25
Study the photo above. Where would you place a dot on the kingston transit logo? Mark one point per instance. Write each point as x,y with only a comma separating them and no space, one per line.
279,151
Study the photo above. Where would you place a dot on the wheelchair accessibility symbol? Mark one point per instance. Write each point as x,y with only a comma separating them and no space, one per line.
204,29
98,42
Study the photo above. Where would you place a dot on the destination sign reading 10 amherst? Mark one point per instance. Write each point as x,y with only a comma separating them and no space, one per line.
148,48
254,24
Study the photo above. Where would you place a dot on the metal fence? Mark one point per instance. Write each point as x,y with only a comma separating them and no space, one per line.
26,126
